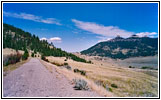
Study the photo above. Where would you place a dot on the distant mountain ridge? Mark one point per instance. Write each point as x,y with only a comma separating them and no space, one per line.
122,48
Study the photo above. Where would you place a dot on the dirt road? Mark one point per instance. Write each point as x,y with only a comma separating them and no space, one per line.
32,79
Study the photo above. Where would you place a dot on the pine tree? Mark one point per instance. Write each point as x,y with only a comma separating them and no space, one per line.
25,55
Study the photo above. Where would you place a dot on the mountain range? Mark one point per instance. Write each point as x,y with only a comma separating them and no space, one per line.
117,48
122,48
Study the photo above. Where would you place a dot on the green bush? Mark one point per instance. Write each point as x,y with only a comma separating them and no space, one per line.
147,67
32,54
110,89
65,64
131,67
89,62
76,70
82,72
25,55
114,85
43,58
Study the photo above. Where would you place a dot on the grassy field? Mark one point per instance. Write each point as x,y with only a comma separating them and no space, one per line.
138,62
106,76
129,82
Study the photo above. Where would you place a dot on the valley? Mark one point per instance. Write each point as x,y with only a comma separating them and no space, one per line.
109,69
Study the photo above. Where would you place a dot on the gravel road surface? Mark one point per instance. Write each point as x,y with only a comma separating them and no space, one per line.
32,79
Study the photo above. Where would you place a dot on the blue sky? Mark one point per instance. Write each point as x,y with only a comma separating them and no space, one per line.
78,26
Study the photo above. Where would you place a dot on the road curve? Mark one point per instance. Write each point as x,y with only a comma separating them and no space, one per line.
32,79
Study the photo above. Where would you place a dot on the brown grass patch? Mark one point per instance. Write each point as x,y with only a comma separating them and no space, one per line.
130,82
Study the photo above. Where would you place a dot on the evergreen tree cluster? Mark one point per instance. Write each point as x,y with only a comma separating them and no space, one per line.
18,39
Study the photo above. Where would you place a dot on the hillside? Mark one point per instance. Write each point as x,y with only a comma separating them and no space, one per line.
121,48
18,39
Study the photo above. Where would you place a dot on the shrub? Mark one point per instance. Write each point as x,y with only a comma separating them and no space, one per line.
67,67
148,67
12,59
32,54
105,86
76,70
57,64
82,72
65,64
114,85
6,63
25,55
110,89
44,58
89,62
80,84
99,82
131,67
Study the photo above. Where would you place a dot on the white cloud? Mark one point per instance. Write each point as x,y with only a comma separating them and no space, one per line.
32,17
53,39
43,38
149,34
108,31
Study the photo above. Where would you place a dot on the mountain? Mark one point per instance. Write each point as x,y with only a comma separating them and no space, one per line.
122,48
18,39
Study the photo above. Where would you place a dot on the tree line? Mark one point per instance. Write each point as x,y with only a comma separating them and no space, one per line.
18,39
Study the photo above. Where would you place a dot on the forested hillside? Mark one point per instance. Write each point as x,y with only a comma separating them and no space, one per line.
121,48
18,39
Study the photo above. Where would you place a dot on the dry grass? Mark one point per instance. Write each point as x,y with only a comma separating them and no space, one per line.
71,75
8,51
130,82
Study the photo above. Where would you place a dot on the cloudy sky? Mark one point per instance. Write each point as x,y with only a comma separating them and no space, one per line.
78,26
